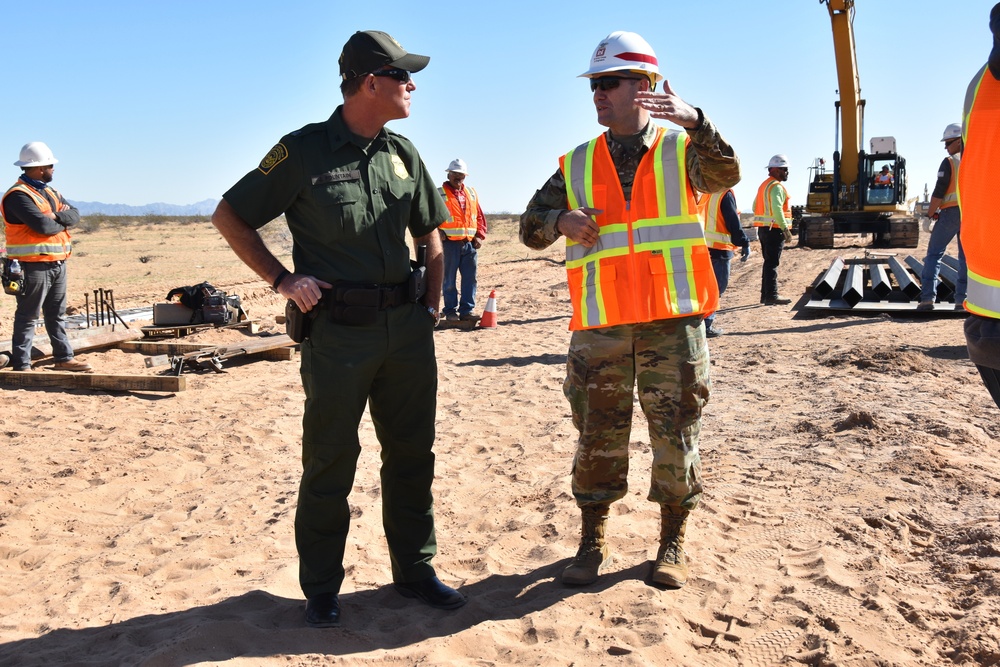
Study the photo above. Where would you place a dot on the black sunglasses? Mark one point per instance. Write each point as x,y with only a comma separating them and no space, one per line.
610,82
400,75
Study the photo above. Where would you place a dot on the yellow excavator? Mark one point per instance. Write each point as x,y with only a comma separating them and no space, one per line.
865,191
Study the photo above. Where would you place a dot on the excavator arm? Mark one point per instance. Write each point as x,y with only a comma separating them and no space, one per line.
850,107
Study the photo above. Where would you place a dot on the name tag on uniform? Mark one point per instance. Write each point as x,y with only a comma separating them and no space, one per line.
337,177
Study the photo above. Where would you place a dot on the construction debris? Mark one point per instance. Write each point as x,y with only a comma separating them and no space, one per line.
211,357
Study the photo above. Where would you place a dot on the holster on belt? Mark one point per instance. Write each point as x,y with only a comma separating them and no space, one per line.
297,323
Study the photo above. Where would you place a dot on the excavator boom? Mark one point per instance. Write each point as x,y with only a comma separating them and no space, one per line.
851,106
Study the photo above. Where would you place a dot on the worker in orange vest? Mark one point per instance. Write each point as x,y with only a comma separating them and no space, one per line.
640,282
37,220
944,208
884,178
772,216
462,234
723,234
980,221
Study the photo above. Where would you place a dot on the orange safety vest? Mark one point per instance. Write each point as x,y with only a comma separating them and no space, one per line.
763,216
976,194
950,198
461,225
716,233
650,261
883,179
26,244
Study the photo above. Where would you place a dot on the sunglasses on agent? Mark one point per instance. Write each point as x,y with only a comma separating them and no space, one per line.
610,82
396,73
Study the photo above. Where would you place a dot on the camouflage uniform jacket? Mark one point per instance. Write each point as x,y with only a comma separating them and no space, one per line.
712,166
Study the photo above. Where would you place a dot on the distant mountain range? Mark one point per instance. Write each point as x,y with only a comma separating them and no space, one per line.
206,207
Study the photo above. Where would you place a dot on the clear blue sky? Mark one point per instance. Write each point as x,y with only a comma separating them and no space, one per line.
174,100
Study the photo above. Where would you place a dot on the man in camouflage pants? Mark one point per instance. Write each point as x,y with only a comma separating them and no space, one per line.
641,282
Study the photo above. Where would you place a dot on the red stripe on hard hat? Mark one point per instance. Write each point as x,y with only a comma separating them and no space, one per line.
640,57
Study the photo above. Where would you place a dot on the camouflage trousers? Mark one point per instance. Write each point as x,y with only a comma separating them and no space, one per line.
668,360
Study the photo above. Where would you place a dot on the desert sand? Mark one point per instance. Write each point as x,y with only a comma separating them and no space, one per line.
851,516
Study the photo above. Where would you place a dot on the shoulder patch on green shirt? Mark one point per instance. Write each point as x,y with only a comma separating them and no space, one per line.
273,158
399,167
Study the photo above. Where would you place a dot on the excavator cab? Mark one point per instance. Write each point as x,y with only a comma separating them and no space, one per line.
882,173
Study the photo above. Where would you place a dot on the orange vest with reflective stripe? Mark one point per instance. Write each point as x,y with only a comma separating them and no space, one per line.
763,216
883,178
462,225
650,261
717,235
26,244
977,194
950,198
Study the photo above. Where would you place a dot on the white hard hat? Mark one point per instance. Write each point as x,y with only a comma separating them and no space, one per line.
778,160
35,154
953,131
623,51
458,165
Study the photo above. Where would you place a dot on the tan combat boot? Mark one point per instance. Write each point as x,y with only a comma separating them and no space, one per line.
670,568
593,551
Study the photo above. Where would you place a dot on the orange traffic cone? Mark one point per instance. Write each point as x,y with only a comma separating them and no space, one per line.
489,318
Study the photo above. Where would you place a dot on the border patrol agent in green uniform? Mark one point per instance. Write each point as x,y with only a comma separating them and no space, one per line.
349,190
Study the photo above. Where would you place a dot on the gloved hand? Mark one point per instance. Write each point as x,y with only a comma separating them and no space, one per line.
788,235
745,253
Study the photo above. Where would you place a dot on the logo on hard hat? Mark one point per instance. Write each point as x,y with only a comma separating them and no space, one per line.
599,53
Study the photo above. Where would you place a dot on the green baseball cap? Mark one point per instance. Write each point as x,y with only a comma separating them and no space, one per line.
368,50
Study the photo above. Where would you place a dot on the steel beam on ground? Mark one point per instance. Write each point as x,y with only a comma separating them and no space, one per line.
950,261
944,291
907,285
854,285
949,277
825,286
880,280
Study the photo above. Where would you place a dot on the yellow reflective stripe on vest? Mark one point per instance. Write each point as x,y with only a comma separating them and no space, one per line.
613,242
983,297
580,176
951,194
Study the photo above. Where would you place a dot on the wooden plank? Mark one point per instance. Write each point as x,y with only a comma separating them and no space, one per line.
80,342
35,379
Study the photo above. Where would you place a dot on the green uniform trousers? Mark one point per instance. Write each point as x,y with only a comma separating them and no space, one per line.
668,359
391,366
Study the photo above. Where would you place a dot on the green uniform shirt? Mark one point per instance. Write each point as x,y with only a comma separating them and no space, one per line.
348,202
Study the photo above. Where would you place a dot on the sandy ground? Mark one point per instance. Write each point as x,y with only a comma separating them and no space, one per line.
851,517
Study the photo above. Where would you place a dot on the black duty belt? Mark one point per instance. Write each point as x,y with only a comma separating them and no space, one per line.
366,295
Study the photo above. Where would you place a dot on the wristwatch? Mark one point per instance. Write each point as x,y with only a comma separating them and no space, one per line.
434,314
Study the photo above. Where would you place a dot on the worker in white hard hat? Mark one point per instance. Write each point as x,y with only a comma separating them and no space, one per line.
772,217
37,220
641,283
462,234
943,208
